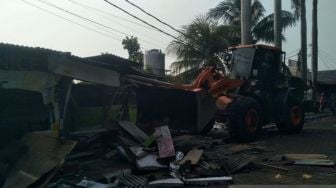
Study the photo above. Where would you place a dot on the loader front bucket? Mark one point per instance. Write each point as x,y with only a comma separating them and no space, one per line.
181,109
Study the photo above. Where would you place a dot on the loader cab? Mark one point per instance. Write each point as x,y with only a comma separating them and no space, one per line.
258,63
255,61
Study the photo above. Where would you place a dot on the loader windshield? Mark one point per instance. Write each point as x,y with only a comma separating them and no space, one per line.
242,60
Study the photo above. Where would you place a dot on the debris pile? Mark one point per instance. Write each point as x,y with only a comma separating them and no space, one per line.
122,155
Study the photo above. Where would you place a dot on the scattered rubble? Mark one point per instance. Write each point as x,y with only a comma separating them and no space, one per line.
164,142
207,181
305,156
307,176
315,162
170,182
193,156
125,156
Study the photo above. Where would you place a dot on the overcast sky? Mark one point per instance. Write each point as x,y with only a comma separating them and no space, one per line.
24,24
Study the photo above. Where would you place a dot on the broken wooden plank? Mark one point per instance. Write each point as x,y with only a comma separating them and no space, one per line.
193,156
315,162
170,182
207,181
305,156
270,167
164,142
133,130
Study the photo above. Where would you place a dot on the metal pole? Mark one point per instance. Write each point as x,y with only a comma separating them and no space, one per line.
277,23
245,22
314,49
303,54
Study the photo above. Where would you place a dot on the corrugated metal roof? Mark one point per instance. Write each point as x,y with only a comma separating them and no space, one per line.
17,57
327,77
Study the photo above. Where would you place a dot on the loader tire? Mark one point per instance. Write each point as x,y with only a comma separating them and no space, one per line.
245,119
292,117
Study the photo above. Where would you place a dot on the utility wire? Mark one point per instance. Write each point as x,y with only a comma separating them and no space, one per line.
113,15
327,54
119,17
292,52
159,43
329,60
87,19
297,51
81,17
164,23
291,56
96,31
160,30
73,22
324,63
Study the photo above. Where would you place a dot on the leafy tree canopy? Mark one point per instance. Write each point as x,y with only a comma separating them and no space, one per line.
132,46
228,12
204,41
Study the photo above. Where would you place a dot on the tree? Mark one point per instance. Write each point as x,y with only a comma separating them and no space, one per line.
245,22
314,48
204,41
277,24
229,13
133,47
299,7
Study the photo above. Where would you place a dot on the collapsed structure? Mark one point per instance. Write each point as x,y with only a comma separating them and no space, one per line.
50,74
247,99
259,89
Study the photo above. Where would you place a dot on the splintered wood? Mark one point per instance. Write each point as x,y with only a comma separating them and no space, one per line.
193,156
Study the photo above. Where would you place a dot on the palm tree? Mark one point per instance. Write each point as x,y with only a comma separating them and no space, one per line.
245,23
314,48
228,12
277,24
299,7
204,41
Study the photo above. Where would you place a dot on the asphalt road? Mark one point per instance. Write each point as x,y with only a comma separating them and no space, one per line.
317,137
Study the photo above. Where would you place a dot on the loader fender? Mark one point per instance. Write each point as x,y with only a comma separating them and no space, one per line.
281,103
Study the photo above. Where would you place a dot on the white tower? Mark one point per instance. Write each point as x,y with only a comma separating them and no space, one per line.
154,61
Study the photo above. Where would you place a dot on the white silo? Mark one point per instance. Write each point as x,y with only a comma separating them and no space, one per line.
154,61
